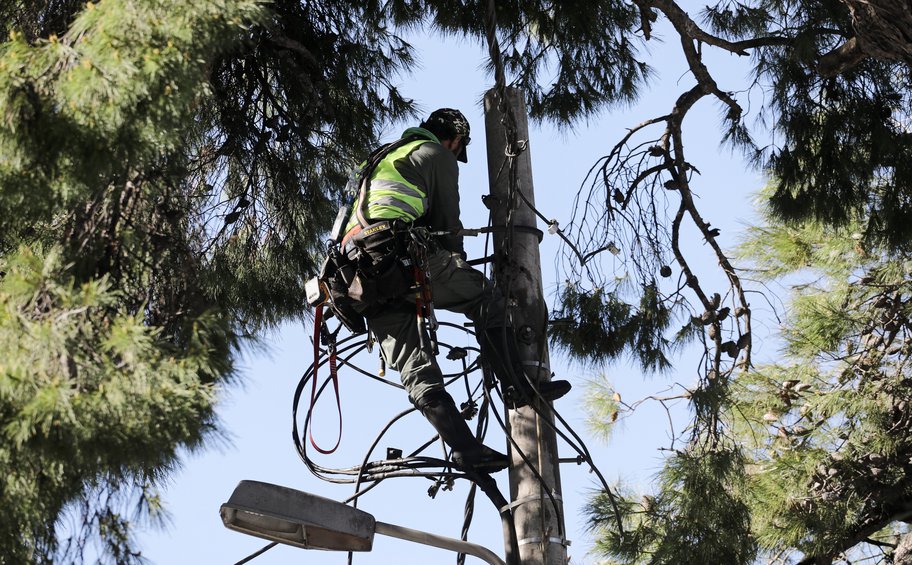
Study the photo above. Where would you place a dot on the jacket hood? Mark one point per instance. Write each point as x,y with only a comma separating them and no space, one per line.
421,132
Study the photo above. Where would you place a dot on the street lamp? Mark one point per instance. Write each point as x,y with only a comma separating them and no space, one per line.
304,520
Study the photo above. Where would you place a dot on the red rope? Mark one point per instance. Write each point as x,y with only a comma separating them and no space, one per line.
318,324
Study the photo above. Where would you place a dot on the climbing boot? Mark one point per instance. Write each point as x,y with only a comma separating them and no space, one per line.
468,453
502,354
524,395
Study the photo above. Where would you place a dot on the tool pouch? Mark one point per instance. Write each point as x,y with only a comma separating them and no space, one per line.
384,268
337,273
374,268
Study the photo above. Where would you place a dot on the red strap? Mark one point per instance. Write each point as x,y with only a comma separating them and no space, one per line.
351,233
318,323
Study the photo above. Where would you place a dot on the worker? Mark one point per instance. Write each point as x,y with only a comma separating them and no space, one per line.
417,184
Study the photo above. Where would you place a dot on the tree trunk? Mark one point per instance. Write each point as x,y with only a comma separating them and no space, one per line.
902,555
883,30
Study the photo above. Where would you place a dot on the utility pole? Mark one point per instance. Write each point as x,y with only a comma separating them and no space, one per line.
539,517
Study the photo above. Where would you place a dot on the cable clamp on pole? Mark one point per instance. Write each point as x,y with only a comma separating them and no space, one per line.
550,539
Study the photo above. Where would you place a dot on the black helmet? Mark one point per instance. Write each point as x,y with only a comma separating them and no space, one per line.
448,123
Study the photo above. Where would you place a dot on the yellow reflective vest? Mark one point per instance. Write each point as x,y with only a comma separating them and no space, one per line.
390,196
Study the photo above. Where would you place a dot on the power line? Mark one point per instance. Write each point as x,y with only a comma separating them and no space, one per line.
257,553
439,470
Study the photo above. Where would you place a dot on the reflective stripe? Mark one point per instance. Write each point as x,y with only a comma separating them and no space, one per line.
404,189
387,196
391,209
390,196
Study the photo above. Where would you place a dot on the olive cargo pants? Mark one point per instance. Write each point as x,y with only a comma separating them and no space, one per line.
456,287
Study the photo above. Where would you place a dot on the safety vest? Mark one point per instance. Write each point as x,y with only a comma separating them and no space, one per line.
390,196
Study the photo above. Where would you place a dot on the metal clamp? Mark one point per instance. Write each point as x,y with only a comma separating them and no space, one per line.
549,539
579,460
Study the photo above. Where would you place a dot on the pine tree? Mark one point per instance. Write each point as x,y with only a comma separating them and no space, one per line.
111,350
162,200
169,169
827,429
815,459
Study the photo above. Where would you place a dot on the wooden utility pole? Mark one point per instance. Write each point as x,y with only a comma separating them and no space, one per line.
539,517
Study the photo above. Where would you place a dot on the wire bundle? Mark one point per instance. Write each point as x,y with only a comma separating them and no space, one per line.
440,471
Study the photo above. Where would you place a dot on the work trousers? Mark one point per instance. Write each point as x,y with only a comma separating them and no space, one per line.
456,287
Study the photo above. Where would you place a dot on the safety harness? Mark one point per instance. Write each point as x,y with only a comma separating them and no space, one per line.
370,264
424,302
364,181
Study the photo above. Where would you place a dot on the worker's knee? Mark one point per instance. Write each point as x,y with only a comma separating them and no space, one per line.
423,394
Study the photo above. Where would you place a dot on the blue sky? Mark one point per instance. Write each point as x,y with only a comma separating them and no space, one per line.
257,414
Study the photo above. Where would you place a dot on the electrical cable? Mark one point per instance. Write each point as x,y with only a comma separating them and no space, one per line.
257,553
413,465
358,347
508,122
375,472
581,448
405,466
468,514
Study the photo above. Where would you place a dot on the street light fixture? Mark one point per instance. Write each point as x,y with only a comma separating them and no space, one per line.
297,518
308,521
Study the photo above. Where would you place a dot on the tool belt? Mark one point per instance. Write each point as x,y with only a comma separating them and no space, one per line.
371,268
383,265
371,265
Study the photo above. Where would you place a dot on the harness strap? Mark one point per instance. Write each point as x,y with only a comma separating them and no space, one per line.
350,234
333,374
424,303
419,306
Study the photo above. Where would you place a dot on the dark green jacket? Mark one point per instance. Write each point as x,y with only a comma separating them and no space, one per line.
431,176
